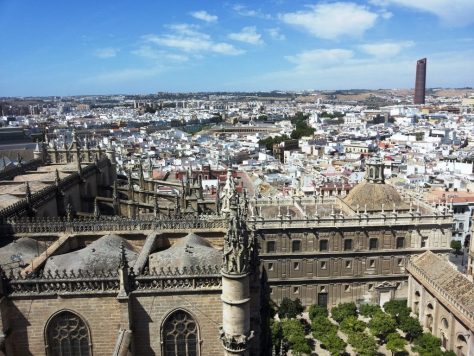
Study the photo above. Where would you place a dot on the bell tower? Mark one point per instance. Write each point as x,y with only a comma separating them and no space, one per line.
374,171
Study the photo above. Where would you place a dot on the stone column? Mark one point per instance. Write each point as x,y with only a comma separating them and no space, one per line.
235,297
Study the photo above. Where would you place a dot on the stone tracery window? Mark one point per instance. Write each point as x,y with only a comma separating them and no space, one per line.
180,335
67,335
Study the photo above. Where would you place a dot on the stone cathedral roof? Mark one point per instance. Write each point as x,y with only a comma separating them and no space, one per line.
20,252
373,195
101,255
191,250
441,273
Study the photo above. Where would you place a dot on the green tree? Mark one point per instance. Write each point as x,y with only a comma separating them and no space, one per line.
382,324
397,308
277,334
427,345
369,310
456,246
364,344
316,310
411,326
293,332
352,324
334,344
342,311
395,343
262,117
290,308
322,326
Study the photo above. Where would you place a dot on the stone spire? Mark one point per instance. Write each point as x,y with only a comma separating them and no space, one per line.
156,208
235,333
37,153
28,194
141,177
96,209
57,179
115,199
130,185
123,270
110,153
229,193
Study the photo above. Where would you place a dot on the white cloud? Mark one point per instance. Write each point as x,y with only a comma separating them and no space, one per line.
152,53
204,16
445,69
385,49
332,20
275,33
124,75
320,58
248,35
242,10
187,38
451,12
107,52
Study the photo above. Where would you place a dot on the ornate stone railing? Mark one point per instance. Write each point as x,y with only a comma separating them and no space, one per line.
49,283
205,277
421,275
108,282
57,225
340,221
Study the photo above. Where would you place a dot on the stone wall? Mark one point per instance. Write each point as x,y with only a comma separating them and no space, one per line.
27,318
150,312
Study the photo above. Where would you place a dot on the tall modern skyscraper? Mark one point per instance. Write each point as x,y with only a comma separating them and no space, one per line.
420,82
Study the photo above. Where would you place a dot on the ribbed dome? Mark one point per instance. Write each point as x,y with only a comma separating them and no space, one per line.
101,255
373,195
191,250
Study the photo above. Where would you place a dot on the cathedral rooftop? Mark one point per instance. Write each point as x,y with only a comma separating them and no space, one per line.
191,250
101,255
19,252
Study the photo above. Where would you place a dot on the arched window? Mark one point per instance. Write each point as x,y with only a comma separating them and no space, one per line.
180,335
67,335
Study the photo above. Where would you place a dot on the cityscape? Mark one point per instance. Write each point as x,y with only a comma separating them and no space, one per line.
237,179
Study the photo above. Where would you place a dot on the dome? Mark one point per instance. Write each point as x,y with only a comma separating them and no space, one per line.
20,252
191,250
101,255
373,195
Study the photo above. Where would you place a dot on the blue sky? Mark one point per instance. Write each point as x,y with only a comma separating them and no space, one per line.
53,47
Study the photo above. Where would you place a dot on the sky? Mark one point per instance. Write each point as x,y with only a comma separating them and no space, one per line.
85,47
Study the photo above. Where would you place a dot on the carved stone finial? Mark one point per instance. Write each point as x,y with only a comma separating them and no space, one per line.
123,264
96,209
57,179
28,193
156,208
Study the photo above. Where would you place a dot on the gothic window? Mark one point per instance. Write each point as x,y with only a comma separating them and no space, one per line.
373,244
180,335
400,242
67,335
296,246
